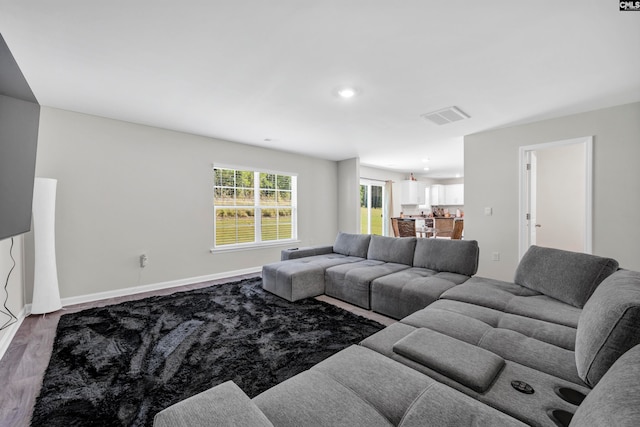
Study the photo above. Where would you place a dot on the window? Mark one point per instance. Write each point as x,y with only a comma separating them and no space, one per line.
253,207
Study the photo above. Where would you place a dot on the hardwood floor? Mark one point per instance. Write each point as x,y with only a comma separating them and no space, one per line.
25,361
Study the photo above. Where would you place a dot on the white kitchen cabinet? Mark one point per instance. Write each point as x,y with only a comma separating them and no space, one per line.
422,188
447,195
454,194
409,193
437,195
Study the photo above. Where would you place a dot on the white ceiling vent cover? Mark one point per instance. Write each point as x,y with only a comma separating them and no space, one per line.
446,115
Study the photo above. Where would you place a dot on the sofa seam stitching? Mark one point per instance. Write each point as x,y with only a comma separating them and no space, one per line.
412,404
367,402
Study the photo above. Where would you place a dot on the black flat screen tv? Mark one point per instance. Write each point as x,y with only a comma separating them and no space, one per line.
19,121
18,139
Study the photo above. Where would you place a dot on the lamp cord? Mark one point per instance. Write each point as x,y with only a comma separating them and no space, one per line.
12,318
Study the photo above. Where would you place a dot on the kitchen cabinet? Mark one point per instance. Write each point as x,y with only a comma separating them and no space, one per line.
409,193
422,196
447,195
454,194
437,195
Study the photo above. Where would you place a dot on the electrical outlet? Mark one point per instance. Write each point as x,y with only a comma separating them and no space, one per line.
143,260
495,256
488,211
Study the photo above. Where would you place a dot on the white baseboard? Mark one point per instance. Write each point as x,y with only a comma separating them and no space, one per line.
10,332
156,286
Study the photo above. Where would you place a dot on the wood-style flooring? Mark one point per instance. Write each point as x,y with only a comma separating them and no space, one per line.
25,361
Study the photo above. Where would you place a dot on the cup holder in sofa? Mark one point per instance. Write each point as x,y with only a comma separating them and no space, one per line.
560,417
570,395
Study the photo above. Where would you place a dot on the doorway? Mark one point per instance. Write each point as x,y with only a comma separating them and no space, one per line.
371,212
556,187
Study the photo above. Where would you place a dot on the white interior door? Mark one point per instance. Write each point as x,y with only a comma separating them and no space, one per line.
556,195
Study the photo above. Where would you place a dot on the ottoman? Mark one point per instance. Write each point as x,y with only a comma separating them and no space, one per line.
293,281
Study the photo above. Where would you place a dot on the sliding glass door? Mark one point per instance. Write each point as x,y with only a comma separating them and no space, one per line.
371,213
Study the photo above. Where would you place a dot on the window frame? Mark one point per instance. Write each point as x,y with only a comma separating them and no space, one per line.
258,207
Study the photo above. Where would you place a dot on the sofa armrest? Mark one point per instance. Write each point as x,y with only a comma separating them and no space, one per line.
471,366
295,253
223,405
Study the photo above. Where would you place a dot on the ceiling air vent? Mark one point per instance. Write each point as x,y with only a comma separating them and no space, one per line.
446,115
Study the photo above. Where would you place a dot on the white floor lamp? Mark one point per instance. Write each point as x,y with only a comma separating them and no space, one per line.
46,295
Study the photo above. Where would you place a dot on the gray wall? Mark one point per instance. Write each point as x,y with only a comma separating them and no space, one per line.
126,189
491,180
348,189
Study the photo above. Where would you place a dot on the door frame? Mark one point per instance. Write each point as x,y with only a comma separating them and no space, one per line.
525,193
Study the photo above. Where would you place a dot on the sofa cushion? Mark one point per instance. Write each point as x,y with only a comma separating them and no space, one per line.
296,253
468,364
443,406
455,256
483,329
514,299
539,355
293,281
609,325
388,386
551,333
570,277
399,294
325,261
223,405
313,398
352,282
352,244
392,249
615,401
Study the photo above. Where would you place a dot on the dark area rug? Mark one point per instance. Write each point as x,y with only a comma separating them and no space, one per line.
119,365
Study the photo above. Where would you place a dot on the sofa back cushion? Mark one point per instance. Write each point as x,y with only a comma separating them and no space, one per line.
454,256
609,325
570,277
615,401
352,244
392,249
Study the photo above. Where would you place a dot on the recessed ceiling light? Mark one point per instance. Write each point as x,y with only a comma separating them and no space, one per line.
426,169
346,92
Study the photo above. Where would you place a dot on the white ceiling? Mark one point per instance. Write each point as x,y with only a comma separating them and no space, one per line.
266,72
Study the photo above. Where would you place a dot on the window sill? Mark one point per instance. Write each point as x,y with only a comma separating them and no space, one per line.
252,246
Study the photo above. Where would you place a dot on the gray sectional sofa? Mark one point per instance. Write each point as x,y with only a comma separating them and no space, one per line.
392,276
485,353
